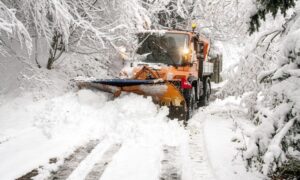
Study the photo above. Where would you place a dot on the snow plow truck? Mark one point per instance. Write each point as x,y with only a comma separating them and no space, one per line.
173,69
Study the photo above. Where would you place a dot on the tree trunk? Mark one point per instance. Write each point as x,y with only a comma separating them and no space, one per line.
56,45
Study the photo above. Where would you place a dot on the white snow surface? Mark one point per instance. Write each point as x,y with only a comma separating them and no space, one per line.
32,132
226,131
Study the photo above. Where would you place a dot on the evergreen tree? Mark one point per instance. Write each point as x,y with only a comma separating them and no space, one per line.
268,6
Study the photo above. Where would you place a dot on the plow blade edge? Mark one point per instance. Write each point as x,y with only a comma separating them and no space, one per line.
163,93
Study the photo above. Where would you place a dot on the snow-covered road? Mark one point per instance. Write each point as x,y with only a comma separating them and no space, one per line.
84,135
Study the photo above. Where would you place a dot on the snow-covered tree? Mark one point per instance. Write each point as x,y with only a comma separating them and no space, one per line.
268,77
274,146
87,26
170,13
265,7
221,20
12,27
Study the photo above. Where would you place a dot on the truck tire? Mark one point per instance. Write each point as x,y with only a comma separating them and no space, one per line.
204,99
190,99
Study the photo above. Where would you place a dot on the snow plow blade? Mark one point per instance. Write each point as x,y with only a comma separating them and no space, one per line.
162,92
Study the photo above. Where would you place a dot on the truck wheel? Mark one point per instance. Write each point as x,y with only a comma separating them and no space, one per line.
204,99
190,96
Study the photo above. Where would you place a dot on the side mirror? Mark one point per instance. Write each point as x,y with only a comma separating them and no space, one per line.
200,47
200,50
200,56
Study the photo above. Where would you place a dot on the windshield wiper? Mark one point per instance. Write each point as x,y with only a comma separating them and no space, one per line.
174,63
166,53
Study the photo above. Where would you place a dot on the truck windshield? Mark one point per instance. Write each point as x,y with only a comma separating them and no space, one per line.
167,48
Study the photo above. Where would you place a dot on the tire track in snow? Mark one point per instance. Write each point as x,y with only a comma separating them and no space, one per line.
170,169
100,166
200,164
73,161
87,165
77,165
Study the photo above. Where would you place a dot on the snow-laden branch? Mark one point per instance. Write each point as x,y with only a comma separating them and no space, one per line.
10,26
274,150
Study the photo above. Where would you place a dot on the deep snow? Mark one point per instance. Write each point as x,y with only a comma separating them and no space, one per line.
32,132
225,130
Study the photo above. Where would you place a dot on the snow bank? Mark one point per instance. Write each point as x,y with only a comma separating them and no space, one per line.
32,132
277,115
225,130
